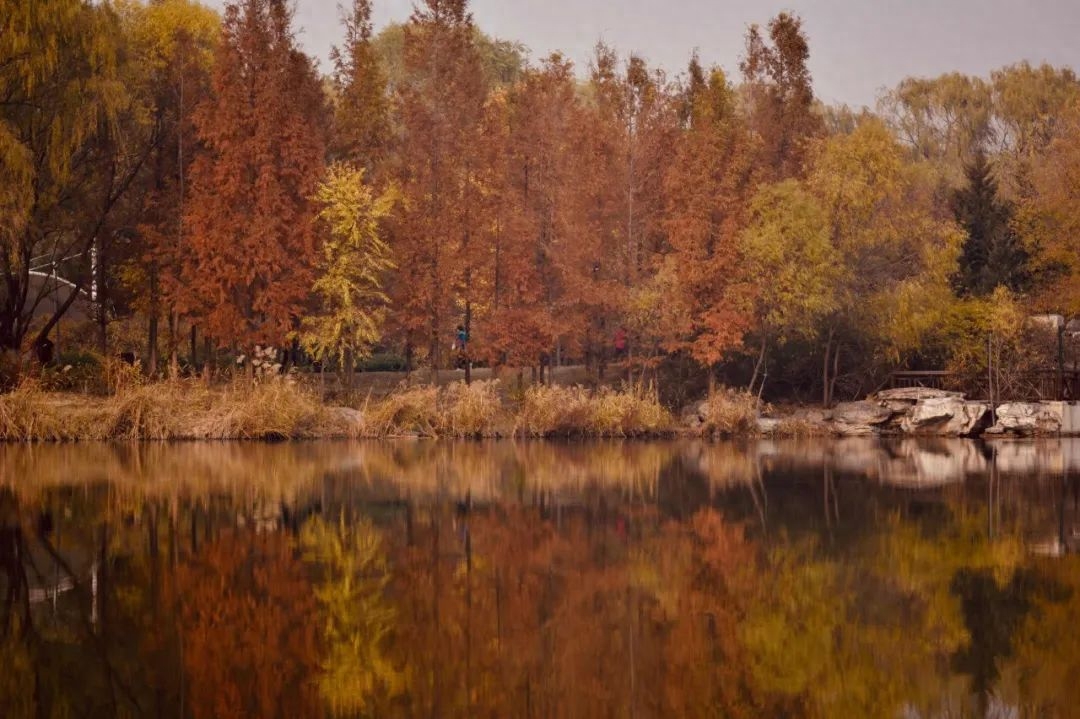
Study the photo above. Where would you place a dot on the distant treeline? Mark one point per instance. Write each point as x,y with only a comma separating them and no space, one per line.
440,195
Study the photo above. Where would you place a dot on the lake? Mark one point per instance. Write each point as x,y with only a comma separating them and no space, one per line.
816,578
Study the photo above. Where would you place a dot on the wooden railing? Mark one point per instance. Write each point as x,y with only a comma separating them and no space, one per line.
1048,384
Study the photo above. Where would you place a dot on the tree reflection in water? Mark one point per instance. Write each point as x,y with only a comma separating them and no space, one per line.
801,579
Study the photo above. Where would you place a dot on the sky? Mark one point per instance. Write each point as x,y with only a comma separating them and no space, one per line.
857,47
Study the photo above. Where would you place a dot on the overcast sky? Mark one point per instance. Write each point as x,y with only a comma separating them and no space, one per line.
857,47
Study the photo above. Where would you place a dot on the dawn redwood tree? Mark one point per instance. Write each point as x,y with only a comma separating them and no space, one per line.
172,43
251,215
361,104
708,189
528,141
437,241
781,95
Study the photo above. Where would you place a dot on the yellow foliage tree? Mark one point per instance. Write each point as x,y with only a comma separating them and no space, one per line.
355,260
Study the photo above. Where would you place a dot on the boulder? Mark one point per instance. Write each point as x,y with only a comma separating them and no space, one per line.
347,418
767,425
915,394
857,419
692,415
1026,419
945,416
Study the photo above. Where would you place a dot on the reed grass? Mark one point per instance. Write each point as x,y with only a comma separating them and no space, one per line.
730,413
575,411
278,410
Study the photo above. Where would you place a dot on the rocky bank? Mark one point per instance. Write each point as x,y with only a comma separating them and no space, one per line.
917,411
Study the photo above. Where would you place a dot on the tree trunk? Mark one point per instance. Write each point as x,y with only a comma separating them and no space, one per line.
152,345
835,372
208,359
349,369
465,344
826,398
194,347
760,361
174,341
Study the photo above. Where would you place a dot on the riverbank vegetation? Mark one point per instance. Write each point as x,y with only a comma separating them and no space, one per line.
277,409
441,198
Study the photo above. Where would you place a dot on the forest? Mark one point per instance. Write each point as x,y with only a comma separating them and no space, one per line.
188,187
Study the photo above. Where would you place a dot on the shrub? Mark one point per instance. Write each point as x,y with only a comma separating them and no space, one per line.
575,411
469,410
26,416
407,410
730,412
271,410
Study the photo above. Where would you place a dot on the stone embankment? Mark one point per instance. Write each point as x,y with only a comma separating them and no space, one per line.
919,411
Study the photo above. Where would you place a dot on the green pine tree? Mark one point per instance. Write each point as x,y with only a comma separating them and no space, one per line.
993,254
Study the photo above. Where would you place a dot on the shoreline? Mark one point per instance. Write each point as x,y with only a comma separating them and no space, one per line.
275,411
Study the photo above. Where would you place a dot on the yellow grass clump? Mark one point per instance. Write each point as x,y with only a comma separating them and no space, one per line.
173,411
25,417
729,413
457,410
407,410
576,411
278,409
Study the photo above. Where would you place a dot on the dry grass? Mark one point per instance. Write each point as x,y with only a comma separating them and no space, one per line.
171,411
456,410
277,410
798,428
406,411
473,410
575,411
271,411
26,417
730,413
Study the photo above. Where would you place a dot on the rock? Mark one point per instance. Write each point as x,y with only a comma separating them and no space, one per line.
767,425
691,415
1029,418
857,419
915,394
346,416
948,416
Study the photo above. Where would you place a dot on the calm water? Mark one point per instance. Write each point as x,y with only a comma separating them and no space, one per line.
776,579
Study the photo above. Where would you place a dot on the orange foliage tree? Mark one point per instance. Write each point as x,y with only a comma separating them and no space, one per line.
781,95
251,217
708,189
361,105
437,241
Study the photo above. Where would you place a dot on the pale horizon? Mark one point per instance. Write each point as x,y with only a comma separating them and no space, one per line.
857,49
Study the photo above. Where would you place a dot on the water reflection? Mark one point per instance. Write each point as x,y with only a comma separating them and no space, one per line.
807,579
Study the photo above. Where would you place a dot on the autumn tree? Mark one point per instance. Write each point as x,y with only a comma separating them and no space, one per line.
437,241
708,188
251,216
71,147
892,252
171,46
793,266
361,103
946,120
1048,220
351,272
528,195
780,95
